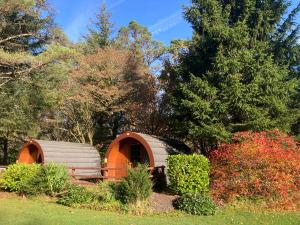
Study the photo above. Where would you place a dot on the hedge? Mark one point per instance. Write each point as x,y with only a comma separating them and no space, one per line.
188,173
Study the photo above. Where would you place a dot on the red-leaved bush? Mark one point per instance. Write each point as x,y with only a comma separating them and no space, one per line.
264,165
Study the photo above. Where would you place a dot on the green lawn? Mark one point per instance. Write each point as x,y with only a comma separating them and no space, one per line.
36,212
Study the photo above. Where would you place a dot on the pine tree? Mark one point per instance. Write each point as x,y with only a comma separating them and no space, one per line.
100,33
137,39
228,80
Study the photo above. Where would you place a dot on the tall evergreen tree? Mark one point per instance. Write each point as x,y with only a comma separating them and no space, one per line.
228,79
99,34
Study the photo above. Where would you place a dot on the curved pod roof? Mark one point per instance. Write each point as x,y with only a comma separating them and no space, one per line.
158,148
67,153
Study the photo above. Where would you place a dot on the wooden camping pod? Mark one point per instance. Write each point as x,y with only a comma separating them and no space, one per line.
131,148
66,153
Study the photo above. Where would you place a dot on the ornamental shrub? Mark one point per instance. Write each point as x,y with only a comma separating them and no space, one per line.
263,165
50,180
196,204
136,187
106,191
188,173
76,195
17,175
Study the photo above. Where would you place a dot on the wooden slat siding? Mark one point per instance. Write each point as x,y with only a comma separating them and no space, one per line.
72,155
160,149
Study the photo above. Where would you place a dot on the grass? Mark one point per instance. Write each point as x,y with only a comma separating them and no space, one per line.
14,211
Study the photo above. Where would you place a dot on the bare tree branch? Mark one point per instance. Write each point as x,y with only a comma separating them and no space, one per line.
16,36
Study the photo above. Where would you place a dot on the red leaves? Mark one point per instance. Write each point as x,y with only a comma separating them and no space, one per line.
257,165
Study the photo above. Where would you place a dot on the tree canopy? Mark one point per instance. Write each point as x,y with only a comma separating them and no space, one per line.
233,76
240,71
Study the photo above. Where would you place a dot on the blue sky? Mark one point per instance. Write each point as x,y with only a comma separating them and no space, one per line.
162,17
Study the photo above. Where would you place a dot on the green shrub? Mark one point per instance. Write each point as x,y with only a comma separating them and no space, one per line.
137,186
76,195
196,204
106,192
50,179
17,175
188,173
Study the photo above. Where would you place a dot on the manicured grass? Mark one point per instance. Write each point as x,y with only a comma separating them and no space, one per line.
16,211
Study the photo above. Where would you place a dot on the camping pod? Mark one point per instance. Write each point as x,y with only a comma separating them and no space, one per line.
130,149
66,153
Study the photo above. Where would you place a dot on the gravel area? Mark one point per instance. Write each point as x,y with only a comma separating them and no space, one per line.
162,202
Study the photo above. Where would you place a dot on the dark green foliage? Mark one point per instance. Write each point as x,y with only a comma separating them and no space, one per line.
196,204
285,45
137,186
106,191
50,180
27,25
232,75
188,173
17,175
76,195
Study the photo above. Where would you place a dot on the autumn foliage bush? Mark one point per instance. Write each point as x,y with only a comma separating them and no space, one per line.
263,165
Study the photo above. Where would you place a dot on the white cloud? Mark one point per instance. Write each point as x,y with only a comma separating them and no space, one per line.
75,28
115,4
78,26
166,23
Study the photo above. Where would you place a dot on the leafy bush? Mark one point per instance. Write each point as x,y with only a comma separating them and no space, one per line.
262,165
17,175
76,195
136,187
188,173
50,179
196,204
90,198
106,192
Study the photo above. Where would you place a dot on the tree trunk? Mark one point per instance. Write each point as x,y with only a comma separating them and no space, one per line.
90,136
115,127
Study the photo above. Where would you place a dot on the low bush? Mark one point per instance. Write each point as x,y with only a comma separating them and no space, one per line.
50,180
196,204
136,187
106,191
76,195
96,198
188,173
263,165
17,175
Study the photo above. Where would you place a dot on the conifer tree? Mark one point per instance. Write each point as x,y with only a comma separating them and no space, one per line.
228,79
99,35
